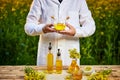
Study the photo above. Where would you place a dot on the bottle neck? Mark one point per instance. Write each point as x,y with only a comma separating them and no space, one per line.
49,51
58,57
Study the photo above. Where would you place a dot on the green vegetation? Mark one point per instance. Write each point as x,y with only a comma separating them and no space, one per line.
17,48
104,46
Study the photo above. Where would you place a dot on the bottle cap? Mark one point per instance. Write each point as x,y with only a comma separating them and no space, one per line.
50,47
58,54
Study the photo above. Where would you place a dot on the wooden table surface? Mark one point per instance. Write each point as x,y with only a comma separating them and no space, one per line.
17,72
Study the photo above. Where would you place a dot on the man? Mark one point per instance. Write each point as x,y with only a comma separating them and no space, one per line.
40,22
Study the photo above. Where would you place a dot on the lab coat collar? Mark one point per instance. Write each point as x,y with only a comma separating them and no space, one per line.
57,2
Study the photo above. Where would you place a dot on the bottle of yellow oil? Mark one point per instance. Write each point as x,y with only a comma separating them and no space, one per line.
50,58
58,63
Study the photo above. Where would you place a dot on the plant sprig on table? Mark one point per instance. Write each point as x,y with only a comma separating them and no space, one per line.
31,74
74,53
101,75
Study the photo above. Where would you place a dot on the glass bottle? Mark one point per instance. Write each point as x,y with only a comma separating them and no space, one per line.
50,58
77,73
72,65
58,63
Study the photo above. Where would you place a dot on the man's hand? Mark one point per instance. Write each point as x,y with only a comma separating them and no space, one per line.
48,28
71,31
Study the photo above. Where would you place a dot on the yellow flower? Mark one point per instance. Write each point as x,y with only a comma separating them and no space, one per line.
74,53
102,33
13,9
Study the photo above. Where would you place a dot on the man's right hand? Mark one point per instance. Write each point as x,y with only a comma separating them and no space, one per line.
48,28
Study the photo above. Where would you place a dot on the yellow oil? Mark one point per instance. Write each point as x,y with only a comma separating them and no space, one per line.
50,63
77,73
77,76
59,66
72,66
59,26
73,63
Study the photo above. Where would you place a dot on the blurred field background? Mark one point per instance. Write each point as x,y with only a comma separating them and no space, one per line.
17,48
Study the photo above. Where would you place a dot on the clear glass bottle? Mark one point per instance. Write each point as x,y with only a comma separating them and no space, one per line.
58,63
72,65
77,73
50,58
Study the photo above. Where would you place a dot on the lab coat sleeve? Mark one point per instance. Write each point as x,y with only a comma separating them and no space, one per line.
32,26
87,23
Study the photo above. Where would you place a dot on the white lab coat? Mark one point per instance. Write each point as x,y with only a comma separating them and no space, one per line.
40,14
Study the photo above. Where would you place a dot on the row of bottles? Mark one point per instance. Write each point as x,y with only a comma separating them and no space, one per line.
50,61
73,69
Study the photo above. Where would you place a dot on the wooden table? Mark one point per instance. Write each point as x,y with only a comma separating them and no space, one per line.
17,72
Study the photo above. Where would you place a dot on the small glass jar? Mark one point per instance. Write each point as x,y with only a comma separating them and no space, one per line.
59,26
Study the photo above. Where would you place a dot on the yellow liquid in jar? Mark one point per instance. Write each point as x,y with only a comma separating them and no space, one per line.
59,66
59,26
77,73
50,63
72,66
77,76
